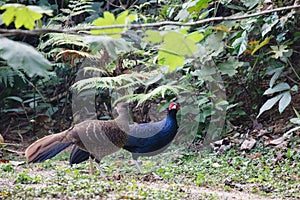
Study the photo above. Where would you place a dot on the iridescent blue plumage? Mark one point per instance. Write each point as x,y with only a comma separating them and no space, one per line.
151,138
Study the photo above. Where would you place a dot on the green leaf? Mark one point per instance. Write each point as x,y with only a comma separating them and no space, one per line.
7,76
205,73
201,4
296,112
295,121
22,15
27,59
240,44
162,91
178,44
183,14
267,27
278,88
109,19
171,60
229,66
26,17
174,49
9,15
196,36
121,19
269,104
123,80
279,51
153,36
295,88
250,3
288,153
275,76
15,98
284,101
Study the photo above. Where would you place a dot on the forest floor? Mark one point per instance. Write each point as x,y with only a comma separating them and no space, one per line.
175,174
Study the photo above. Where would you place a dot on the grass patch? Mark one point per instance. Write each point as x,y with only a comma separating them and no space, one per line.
170,175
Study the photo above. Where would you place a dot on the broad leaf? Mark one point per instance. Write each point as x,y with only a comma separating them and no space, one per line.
153,36
183,14
26,17
295,121
171,60
269,104
240,44
196,36
206,73
250,3
201,4
284,101
22,15
109,19
229,66
278,88
271,22
28,59
178,44
275,76
279,51
174,49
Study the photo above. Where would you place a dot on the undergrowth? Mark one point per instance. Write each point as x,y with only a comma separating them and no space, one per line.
171,175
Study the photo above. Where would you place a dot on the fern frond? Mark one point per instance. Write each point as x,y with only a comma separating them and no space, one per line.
77,7
102,71
8,74
111,82
59,39
75,52
162,91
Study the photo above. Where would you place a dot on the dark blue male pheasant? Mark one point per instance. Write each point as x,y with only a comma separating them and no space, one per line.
146,139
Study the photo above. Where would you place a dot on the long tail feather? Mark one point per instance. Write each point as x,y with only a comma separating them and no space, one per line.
77,155
47,147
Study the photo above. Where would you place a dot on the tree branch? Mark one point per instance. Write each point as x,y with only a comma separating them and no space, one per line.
7,32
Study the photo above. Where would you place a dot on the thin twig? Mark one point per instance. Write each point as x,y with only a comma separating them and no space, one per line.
149,25
10,144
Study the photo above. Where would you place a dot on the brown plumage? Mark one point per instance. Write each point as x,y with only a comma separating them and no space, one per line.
99,138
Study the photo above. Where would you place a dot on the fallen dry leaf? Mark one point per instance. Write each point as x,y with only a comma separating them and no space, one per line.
281,139
248,144
118,163
254,156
